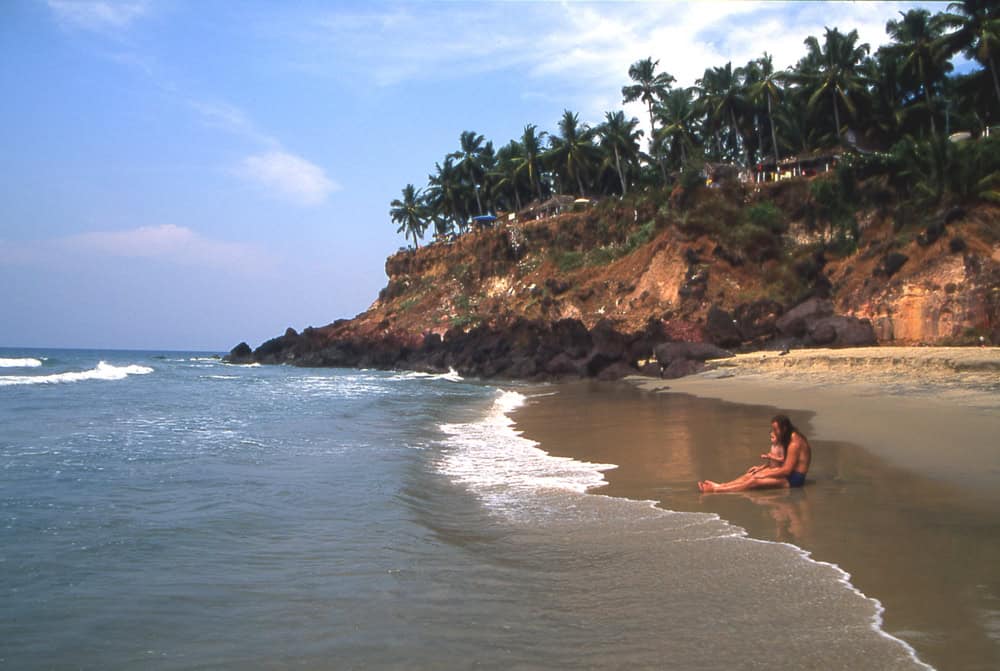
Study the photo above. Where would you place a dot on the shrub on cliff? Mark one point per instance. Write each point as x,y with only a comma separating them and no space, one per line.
768,216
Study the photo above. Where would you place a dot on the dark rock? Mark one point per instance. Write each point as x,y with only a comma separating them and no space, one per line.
240,354
842,331
668,353
564,365
794,323
721,328
557,286
682,367
616,371
432,341
890,265
757,321
695,283
726,255
607,342
651,369
931,234
598,361
823,333
522,368
954,214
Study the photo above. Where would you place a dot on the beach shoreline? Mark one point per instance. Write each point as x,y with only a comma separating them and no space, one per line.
905,485
937,397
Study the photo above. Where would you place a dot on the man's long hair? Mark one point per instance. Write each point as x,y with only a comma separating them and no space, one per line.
785,429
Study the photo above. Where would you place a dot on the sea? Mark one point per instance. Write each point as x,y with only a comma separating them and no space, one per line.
166,510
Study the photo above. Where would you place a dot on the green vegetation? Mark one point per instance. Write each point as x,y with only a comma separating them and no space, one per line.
903,101
570,260
768,217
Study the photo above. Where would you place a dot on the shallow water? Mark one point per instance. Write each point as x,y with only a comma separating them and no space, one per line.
168,511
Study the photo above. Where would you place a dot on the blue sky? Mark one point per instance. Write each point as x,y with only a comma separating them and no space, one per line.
186,175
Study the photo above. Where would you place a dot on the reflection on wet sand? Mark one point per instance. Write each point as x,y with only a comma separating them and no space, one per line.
790,510
925,547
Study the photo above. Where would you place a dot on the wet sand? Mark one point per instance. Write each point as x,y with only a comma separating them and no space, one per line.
903,494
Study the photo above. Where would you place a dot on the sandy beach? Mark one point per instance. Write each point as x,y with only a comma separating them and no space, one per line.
904,489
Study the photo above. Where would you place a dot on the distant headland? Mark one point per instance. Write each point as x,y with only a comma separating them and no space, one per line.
850,200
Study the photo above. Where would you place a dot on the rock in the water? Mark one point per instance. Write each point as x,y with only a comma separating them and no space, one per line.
240,354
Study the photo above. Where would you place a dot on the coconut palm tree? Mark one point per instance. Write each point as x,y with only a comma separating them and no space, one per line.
924,58
649,87
530,159
470,162
837,72
888,111
768,87
977,24
445,194
507,179
572,152
721,97
678,119
410,213
620,139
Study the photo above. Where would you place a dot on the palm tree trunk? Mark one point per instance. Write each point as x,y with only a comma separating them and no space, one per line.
836,112
760,137
739,138
774,136
653,145
618,166
930,108
993,71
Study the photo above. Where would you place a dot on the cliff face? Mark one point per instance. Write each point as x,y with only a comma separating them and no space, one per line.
598,292
946,289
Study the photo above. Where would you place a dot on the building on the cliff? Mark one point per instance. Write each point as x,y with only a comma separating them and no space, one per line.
549,208
803,165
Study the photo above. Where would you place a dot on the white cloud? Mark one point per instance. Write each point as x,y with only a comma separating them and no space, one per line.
176,244
99,15
231,119
581,47
169,243
289,176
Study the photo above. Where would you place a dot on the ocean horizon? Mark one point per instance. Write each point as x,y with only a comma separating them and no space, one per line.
167,510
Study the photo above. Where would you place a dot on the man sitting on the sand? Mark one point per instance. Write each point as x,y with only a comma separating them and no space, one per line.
791,473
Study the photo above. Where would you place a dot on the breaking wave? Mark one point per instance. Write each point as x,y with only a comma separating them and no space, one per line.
20,363
103,371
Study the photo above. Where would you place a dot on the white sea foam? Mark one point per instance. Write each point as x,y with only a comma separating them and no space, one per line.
451,376
20,363
103,371
502,468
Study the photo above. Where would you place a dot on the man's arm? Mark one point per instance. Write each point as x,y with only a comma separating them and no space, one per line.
788,465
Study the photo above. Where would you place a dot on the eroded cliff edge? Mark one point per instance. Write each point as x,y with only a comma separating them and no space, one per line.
658,282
